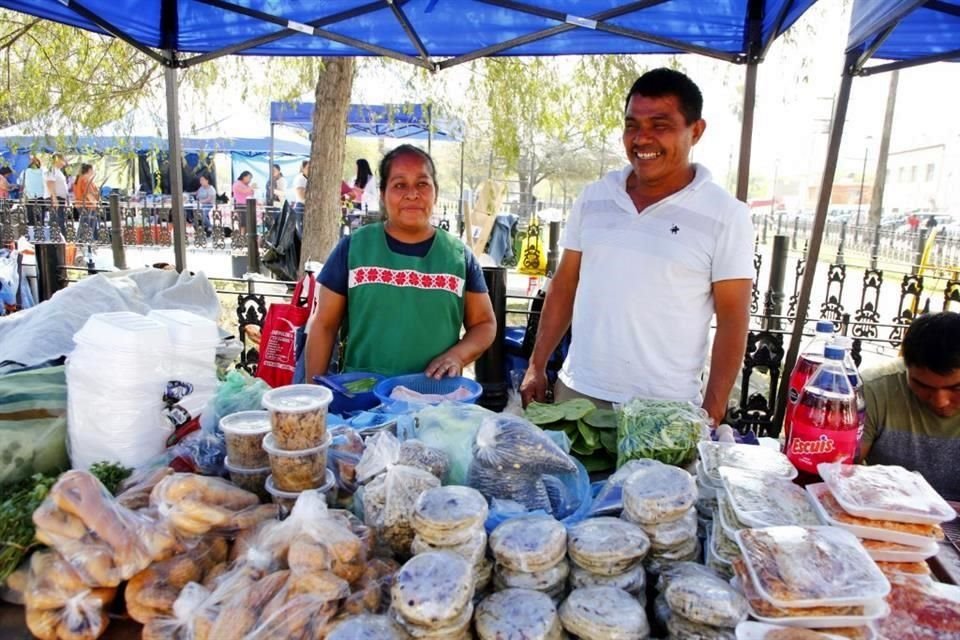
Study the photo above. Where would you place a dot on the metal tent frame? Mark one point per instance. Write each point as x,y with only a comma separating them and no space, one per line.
738,31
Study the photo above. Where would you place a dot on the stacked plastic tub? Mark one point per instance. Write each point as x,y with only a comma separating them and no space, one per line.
298,442
247,461
193,340
116,378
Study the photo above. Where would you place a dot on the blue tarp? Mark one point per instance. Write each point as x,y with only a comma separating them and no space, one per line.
375,121
148,143
908,30
429,28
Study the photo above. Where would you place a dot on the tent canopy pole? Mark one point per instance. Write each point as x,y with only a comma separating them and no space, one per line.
270,168
176,172
746,131
816,235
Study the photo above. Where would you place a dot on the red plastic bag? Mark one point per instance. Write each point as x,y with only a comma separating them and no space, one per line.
278,356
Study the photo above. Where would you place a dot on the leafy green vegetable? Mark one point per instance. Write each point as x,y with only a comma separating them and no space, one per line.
576,409
658,429
363,385
590,437
597,462
543,414
601,419
110,474
17,532
609,440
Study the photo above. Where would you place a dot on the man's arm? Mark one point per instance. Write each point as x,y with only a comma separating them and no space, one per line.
331,308
554,322
481,330
731,300
52,190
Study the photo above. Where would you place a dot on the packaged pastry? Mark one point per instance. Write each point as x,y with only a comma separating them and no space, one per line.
196,504
433,589
726,515
930,612
517,614
810,567
682,628
604,612
606,545
689,550
724,546
456,629
763,500
473,550
297,469
58,603
388,505
674,533
529,543
633,580
298,415
366,627
706,599
482,576
714,455
885,492
658,494
894,552
446,516
907,533
243,434
550,581
609,499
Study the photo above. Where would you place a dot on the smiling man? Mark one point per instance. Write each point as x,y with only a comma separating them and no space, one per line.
913,405
651,253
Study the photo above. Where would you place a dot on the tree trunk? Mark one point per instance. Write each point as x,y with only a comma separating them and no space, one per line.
880,176
321,218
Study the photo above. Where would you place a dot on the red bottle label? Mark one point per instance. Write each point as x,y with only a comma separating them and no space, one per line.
809,446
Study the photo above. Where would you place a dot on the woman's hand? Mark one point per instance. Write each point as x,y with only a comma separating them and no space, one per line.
446,364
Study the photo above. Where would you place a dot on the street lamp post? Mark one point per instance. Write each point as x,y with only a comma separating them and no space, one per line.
863,176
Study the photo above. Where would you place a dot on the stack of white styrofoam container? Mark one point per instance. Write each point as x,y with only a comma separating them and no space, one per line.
116,378
193,340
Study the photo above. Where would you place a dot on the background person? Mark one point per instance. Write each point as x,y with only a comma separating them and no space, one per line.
206,199
56,183
243,189
86,198
913,404
5,173
34,190
407,288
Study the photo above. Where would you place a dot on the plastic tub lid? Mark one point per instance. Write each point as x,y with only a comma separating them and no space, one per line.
246,422
186,328
297,398
241,470
123,331
330,481
270,446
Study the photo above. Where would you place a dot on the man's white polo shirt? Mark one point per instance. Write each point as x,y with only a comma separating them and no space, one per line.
644,302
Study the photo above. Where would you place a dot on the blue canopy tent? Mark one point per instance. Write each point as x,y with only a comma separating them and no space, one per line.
434,34
905,33
407,122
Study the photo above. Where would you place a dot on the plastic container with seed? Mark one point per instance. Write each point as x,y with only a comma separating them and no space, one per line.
253,480
297,470
286,499
243,433
298,415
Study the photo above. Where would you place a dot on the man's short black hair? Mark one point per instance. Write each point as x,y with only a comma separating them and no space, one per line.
667,82
933,342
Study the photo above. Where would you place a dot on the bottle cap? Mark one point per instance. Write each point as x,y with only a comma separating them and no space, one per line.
833,352
824,326
843,342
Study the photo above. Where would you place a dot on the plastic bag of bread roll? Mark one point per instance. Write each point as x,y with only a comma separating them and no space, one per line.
104,542
153,591
59,606
195,505
134,492
319,541
301,618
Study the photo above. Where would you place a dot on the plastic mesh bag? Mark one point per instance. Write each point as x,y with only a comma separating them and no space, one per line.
104,542
662,430
59,604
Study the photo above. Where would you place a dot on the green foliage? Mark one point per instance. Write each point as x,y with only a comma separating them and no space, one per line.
592,431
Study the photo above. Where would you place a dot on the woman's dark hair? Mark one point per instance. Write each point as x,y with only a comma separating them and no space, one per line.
933,342
84,168
662,82
277,167
405,149
364,173
244,175
5,171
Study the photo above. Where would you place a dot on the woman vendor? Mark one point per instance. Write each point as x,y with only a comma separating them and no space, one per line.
402,289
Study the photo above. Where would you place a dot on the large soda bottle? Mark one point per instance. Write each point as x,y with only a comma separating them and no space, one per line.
811,357
825,424
846,344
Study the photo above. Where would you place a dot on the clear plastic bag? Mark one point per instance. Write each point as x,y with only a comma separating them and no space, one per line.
658,494
763,500
604,612
552,581
195,505
529,543
682,628
663,430
510,443
60,605
239,392
103,541
607,546
366,627
452,427
714,455
706,599
300,617
414,453
449,515
673,533
388,504
433,589
344,454
633,580
521,487
609,498
517,613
